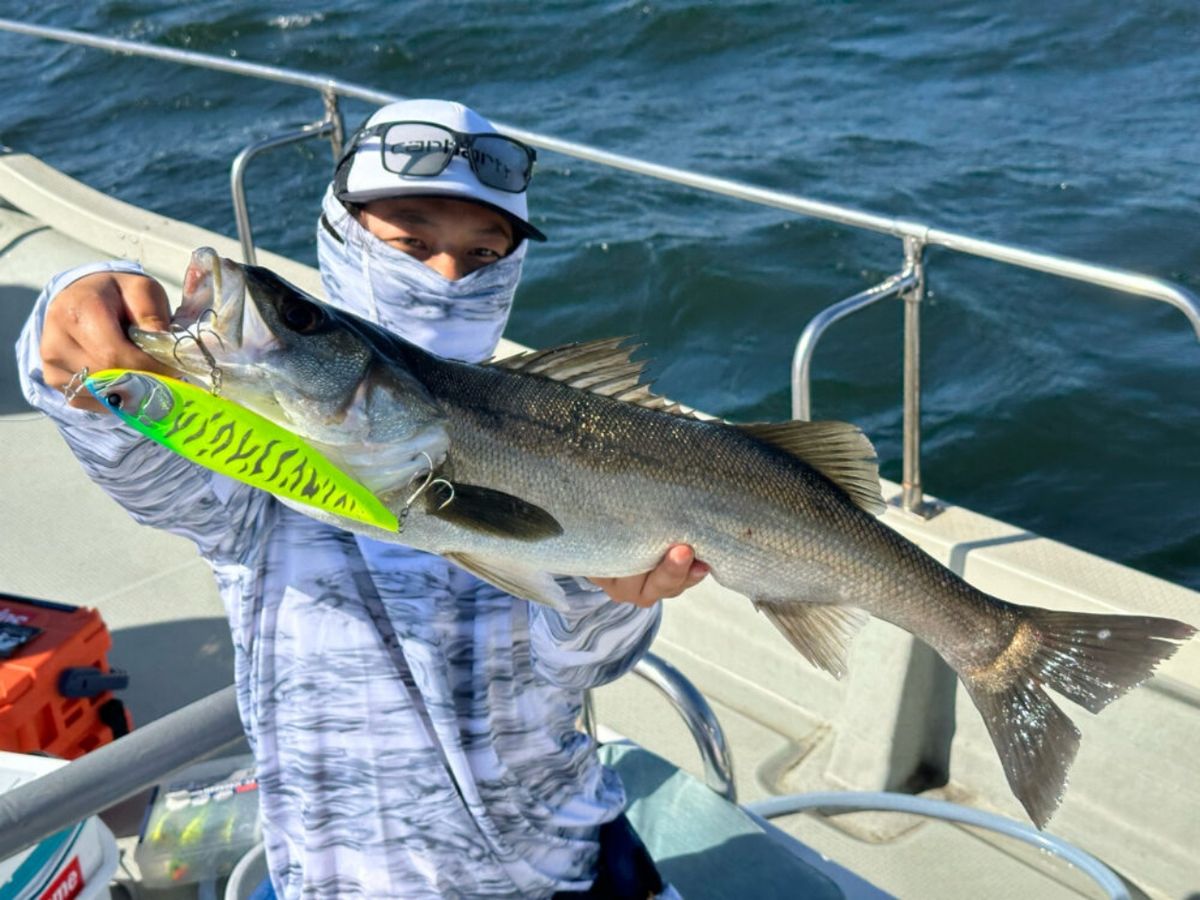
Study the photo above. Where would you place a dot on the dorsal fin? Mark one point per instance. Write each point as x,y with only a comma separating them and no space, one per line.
838,450
602,367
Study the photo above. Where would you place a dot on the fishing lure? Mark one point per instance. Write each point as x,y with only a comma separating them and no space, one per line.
230,439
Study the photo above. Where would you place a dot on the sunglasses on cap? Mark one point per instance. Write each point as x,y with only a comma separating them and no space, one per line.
425,149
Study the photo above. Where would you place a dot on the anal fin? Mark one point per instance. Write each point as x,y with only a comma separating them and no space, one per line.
526,583
821,631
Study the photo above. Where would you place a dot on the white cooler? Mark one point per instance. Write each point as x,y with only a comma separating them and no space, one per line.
75,864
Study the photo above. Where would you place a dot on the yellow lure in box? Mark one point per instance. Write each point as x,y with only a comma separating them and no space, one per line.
230,439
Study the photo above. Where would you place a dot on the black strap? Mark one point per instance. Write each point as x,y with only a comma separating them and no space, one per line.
112,713
328,226
341,172
624,870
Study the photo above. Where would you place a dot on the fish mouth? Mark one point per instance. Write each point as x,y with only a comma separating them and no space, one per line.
210,328
202,288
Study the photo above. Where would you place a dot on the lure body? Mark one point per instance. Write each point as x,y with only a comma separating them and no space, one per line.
228,438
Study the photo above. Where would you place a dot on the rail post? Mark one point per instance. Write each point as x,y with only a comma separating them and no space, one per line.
912,496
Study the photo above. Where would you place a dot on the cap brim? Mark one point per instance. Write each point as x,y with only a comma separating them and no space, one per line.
463,187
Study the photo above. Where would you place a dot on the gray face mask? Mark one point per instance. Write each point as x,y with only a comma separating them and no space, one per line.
460,319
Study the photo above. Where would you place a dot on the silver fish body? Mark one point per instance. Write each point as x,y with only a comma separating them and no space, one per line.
562,463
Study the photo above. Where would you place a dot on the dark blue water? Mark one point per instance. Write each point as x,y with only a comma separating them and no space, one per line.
1069,410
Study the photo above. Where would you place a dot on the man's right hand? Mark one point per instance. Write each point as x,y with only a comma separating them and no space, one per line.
86,326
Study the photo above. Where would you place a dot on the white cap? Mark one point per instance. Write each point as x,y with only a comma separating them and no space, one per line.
361,177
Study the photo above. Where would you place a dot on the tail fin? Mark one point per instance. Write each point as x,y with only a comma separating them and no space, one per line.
1090,659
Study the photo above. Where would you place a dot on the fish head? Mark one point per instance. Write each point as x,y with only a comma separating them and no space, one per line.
267,338
313,369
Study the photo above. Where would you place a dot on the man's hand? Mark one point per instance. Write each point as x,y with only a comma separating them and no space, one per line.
85,326
676,572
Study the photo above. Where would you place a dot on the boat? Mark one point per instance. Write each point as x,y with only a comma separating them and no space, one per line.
748,720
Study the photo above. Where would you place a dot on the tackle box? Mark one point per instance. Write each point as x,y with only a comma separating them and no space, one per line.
55,681
199,823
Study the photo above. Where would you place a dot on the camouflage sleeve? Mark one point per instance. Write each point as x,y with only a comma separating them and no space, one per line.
596,641
155,486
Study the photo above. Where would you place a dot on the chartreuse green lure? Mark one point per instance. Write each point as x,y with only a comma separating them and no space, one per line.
228,438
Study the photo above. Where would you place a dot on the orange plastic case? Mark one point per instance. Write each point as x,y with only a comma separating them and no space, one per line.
55,681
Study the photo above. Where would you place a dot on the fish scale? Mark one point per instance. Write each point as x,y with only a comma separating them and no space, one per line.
562,462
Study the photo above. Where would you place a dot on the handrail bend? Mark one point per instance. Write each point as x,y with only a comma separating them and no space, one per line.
806,346
701,721
857,801
328,126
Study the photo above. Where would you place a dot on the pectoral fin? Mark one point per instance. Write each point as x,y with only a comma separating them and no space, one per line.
528,584
490,512
821,632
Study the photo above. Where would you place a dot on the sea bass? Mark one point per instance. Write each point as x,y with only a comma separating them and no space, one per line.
562,462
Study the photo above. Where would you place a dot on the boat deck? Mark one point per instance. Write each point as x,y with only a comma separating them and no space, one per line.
1131,800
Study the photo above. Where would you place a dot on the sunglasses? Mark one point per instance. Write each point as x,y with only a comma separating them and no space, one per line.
424,149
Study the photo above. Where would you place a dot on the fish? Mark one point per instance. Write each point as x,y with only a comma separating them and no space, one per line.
564,462
234,441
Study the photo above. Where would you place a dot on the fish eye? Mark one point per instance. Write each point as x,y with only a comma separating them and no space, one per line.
302,316
137,395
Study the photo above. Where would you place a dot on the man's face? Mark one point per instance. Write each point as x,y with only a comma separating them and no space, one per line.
452,237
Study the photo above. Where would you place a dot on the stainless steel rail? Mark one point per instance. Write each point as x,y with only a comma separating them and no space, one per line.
908,284
329,126
701,721
911,497
1117,279
111,773
97,781
916,236
892,286
830,802
699,717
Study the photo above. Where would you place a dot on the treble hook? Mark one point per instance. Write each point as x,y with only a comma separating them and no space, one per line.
182,334
76,384
428,483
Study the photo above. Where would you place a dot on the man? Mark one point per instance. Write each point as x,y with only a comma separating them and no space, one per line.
413,726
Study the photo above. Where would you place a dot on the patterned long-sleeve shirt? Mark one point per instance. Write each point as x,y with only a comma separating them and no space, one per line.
413,727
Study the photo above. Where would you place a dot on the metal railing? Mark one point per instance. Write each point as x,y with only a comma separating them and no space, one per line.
330,126
77,789
700,719
908,284
111,773
915,236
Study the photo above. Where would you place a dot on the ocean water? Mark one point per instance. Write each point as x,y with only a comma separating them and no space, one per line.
1068,410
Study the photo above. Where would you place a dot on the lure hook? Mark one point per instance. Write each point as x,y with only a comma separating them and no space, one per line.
183,334
429,482
76,384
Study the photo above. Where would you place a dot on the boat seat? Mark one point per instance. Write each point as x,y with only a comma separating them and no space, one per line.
705,846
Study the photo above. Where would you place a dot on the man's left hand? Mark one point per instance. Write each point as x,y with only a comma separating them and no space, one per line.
677,571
